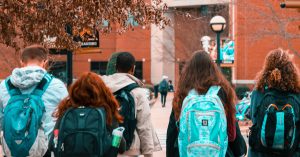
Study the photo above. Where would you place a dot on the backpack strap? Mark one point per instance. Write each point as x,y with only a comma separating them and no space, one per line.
12,90
132,86
43,85
128,88
213,90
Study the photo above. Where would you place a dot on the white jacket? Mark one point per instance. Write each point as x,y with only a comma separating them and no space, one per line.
145,141
26,79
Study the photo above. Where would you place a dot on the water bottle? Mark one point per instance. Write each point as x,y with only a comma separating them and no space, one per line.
116,141
117,136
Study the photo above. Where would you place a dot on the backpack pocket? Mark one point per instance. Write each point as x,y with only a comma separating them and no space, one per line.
203,148
80,143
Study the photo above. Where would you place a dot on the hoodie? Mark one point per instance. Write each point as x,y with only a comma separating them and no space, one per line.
145,140
26,79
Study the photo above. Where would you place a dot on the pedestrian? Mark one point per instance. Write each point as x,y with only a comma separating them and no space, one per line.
205,97
275,105
79,118
140,136
171,87
163,89
27,100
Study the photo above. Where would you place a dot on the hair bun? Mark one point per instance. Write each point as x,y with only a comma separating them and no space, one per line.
276,75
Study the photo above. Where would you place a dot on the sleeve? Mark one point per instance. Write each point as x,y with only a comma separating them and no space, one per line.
231,128
238,146
253,105
144,124
172,136
2,93
53,95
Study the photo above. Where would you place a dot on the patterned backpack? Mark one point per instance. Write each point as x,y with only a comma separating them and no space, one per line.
203,125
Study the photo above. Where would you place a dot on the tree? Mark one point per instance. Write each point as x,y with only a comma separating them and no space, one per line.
33,21
269,21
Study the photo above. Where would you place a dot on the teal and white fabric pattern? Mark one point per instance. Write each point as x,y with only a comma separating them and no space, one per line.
203,125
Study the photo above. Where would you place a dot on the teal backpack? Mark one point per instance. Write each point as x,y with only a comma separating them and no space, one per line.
163,86
203,125
22,117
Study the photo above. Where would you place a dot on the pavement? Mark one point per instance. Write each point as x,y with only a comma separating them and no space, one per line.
160,119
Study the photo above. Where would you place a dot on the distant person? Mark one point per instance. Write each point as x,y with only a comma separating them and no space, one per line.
140,135
202,122
91,109
275,105
27,100
171,87
163,89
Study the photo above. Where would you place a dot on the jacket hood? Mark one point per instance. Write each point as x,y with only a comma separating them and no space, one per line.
120,80
27,77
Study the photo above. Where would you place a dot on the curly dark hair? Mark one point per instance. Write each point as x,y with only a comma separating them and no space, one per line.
199,73
279,72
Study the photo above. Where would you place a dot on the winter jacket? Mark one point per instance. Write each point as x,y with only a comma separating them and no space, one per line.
145,140
256,97
26,79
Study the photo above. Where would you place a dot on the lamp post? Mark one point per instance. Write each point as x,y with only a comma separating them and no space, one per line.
218,24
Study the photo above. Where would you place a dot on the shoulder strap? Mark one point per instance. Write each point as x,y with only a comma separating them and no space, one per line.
43,85
128,88
12,90
213,90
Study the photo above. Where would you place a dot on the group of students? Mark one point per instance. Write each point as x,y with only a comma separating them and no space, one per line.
202,122
40,117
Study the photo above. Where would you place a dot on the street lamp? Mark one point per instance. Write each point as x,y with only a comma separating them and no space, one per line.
218,24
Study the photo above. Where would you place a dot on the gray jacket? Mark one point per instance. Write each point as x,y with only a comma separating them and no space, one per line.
26,79
145,141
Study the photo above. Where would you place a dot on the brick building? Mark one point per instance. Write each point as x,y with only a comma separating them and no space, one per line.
260,26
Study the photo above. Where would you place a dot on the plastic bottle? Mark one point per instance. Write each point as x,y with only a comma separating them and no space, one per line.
117,136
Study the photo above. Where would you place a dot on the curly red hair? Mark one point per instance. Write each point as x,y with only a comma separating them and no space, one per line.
279,72
90,91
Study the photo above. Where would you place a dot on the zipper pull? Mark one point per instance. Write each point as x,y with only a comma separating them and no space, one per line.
62,147
55,139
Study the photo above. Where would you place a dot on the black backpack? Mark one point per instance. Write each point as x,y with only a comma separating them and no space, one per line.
81,132
127,105
277,128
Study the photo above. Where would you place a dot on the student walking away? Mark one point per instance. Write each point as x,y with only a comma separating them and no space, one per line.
171,87
202,122
275,108
27,100
86,120
140,135
163,89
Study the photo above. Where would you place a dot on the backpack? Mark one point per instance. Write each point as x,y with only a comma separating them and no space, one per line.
276,128
81,132
203,125
127,111
23,117
163,86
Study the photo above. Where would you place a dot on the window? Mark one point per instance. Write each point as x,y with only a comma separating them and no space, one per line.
138,73
203,10
99,67
58,69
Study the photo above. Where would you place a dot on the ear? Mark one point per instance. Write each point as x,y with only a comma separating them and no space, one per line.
44,64
22,64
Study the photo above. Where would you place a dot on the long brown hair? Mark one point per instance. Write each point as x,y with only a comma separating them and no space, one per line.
199,73
90,91
279,72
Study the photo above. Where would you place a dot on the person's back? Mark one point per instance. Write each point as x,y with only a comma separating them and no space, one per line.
204,107
145,140
275,100
86,120
44,93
